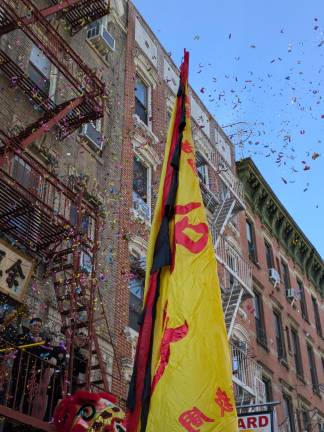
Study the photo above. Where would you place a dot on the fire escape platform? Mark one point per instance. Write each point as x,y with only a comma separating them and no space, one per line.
25,419
82,12
35,208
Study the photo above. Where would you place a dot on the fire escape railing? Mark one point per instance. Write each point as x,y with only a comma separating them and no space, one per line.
247,373
35,207
235,263
219,165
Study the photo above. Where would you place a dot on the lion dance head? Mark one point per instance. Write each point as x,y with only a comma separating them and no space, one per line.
89,412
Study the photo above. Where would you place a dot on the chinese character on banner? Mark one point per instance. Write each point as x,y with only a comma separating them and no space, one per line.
193,419
223,401
194,246
14,272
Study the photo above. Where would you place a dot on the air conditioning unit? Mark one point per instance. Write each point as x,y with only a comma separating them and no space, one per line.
99,36
94,137
292,293
274,276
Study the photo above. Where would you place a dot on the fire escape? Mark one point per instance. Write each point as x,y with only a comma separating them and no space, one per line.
38,211
84,91
223,206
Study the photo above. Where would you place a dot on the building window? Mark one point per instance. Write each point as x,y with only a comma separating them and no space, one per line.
202,169
306,425
317,317
312,368
269,255
280,340
288,339
136,294
39,69
285,275
259,320
303,305
141,189
296,352
141,100
288,413
251,240
267,389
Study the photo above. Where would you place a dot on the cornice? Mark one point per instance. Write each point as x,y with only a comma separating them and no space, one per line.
273,214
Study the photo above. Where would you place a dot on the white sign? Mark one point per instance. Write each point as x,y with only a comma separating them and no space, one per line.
256,422
15,271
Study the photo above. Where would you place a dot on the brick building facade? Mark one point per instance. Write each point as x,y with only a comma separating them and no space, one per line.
285,321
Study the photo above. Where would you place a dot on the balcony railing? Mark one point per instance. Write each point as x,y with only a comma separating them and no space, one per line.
235,263
247,373
30,387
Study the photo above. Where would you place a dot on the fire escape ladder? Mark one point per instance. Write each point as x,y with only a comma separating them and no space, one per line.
79,299
231,302
223,216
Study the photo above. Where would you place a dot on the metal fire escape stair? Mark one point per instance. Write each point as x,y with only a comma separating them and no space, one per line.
231,301
223,214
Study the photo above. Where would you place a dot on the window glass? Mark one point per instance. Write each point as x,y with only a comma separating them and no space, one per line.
303,305
296,352
251,240
269,255
285,275
141,100
140,179
317,317
312,368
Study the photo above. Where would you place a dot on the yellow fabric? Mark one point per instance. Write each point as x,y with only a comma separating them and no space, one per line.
199,363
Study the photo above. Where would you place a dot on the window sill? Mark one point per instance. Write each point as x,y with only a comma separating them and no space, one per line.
301,378
283,362
145,128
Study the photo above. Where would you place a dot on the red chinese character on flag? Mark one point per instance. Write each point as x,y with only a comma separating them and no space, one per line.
194,246
223,401
192,419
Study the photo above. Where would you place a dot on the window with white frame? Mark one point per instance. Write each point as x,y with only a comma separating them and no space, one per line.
39,69
141,188
202,169
142,100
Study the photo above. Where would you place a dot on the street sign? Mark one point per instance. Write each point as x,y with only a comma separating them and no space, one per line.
255,422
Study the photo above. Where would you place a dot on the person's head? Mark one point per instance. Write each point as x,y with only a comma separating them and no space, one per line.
35,325
81,339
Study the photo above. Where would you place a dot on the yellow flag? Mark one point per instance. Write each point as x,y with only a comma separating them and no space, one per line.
182,378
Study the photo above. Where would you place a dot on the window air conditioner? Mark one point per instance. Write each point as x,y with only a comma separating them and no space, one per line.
292,293
274,276
100,37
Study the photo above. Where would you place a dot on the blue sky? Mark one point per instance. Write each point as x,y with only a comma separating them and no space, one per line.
260,63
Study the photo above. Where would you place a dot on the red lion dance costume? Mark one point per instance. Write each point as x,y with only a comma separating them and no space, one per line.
89,412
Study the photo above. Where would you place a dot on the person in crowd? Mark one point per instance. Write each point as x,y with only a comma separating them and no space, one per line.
29,368
80,361
55,386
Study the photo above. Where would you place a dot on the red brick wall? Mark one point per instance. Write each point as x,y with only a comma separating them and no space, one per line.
291,316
